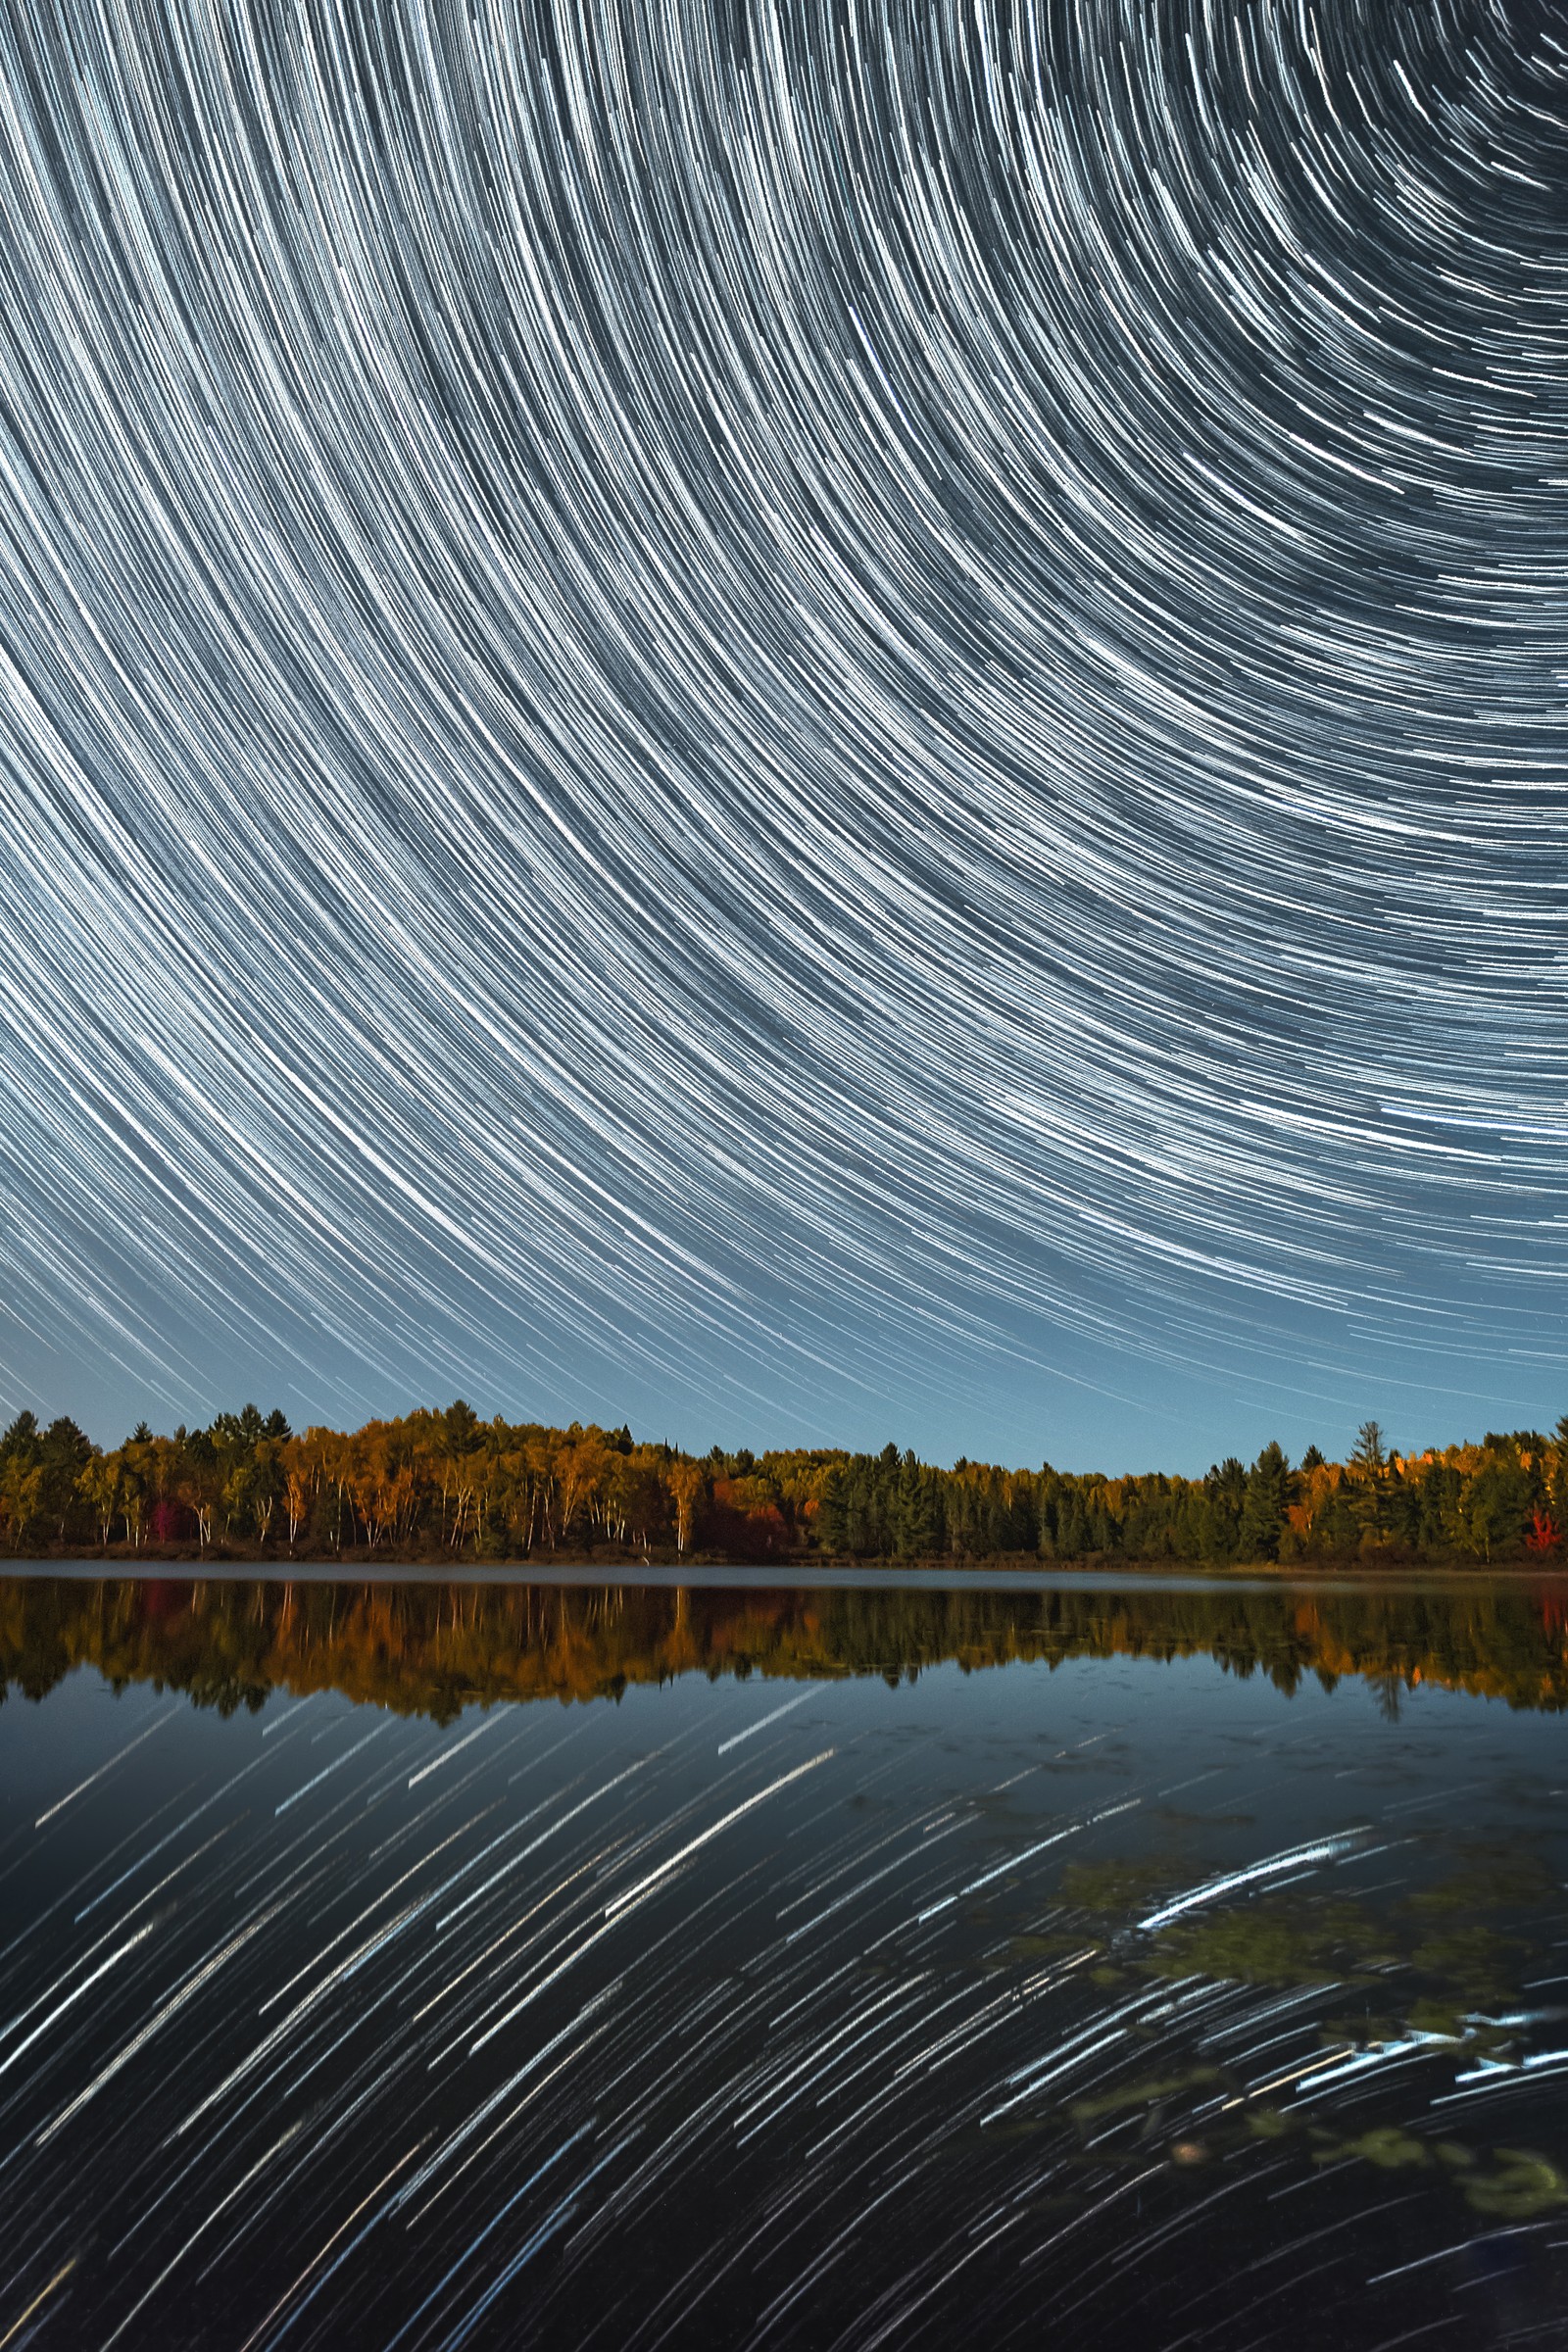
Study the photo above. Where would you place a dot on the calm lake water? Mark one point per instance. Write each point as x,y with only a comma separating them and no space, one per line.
431,1966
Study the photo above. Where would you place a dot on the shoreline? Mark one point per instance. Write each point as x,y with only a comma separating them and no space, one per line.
183,1565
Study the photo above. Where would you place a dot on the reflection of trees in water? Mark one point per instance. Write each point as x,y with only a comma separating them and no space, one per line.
1436,1956
1389,1690
434,1649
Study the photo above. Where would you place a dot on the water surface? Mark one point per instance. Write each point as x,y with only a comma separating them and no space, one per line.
1143,1967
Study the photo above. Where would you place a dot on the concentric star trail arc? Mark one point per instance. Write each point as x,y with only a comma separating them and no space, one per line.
777,689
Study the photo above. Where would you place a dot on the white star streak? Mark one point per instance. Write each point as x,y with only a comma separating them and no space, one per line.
842,684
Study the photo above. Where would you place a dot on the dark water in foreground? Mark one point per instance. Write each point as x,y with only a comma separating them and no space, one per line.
1155,1970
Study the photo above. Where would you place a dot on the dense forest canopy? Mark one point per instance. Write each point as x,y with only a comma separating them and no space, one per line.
434,1649
437,1484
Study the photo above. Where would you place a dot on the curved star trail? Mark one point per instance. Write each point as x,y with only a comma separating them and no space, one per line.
675,2023
826,683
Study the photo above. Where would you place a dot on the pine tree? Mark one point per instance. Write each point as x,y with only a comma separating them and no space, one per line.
1268,1495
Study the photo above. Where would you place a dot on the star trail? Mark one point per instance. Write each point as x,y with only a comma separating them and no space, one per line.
677,2023
781,699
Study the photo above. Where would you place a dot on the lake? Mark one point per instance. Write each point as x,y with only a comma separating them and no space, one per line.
1091,1962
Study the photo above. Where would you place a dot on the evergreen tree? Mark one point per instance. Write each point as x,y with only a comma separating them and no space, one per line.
832,1515
1369,1468
915,1529
63,1454
1264,1504
1225,1492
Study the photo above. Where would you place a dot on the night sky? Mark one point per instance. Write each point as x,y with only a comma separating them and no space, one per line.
800,722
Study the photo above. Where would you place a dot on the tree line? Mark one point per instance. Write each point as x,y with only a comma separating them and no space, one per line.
437,1484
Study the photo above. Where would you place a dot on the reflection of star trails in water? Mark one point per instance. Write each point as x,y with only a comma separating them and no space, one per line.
38,2303
787,683
762,1724
798,2034
1256,1874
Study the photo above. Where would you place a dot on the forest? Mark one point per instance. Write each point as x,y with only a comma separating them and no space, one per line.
444,1484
